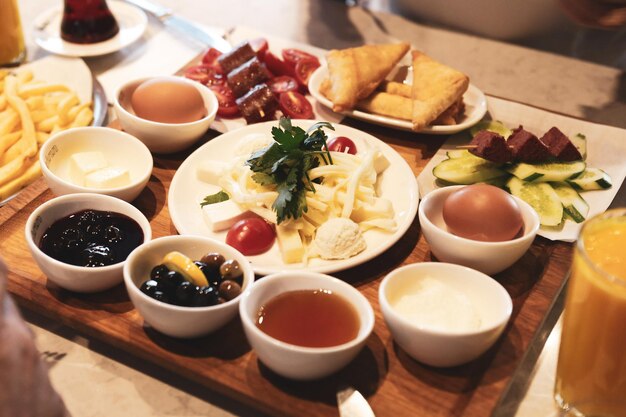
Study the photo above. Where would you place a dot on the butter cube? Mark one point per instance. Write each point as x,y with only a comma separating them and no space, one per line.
83,163
290,244
221,216
109,177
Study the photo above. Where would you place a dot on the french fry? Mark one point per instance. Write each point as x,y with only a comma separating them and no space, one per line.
3,102
38,90
9,120
35,103
24,77
12,169
8,140
26,178
42,137
64,107
48,124
28,127
3,73
83,118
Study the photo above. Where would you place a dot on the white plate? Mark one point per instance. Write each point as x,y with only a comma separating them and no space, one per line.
475,108
397,183
131,20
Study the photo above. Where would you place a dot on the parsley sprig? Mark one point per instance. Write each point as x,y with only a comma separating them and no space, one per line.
286,164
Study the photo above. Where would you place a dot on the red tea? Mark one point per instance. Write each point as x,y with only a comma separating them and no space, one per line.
87,21
309,318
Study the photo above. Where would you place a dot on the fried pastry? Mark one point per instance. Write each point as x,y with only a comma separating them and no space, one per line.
387,104
435,88
354,73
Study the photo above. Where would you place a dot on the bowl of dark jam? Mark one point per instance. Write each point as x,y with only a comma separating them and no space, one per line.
187,286
81,241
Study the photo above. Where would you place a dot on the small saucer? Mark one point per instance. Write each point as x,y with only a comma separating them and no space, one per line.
131,20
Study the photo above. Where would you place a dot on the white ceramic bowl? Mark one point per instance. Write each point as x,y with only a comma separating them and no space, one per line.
446,348
119,149
164,137
172,320
297,362
487,257
71,277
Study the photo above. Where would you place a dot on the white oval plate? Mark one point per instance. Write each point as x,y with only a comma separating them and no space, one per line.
397,183
131,20
474,99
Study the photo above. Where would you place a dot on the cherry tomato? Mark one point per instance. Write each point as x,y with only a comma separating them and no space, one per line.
276,65
282,84
260,46
342,144
304,69
205,74
251,236
210,57
295,105
226,99
292,56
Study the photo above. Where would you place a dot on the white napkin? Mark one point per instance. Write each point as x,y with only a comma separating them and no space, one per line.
161,51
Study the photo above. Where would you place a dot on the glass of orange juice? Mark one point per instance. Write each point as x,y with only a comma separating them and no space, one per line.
12,47
591,371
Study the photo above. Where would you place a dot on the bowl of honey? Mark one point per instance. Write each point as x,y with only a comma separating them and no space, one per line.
305,325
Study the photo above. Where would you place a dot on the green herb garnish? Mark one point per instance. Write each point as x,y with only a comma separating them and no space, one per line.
286,163
214,198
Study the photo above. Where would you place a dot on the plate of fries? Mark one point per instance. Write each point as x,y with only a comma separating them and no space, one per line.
36,101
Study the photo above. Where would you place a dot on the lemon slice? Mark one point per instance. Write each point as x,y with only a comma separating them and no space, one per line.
176,261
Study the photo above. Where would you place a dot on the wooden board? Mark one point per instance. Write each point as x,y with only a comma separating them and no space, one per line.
393,383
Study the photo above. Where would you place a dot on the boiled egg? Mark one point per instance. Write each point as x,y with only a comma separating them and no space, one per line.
483,212
167,100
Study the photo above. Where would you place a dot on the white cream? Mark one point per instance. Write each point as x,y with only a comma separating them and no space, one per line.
432,304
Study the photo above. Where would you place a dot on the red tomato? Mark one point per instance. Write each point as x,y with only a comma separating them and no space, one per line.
276,65
282,84
342,144
292,56
260,46
295,105
210,57
304,69
205,74
251,236
226,99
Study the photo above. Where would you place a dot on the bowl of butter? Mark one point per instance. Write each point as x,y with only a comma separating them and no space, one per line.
96,160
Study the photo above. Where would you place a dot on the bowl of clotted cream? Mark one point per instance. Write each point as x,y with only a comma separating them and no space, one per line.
443,314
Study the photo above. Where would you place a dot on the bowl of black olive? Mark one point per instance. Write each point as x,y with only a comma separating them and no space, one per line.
187,286
81,241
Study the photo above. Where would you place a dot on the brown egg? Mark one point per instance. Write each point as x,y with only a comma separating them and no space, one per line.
483,212
166,100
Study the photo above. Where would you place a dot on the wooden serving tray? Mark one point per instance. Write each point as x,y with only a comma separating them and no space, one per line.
393,383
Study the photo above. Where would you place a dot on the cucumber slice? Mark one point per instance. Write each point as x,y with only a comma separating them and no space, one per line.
574,205
466,170
492,126
542,197
460,153
591,179
580,142
499,182
553,171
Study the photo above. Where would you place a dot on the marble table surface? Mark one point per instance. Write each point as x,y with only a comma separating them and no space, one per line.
97,380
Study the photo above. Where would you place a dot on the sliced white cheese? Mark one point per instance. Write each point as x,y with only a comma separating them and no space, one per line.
221,216
84,163
381,162
290,244
211,171
380,208
109,177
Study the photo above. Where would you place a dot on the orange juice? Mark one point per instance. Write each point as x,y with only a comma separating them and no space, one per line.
591,372
12,48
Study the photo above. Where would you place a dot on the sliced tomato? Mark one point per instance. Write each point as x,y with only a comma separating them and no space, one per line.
210,57
260,46
295,105
292,56
251,236
226,100
205,74
304,69
342,144
276,65
282,84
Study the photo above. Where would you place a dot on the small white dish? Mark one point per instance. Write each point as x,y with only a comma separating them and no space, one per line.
487,257
131,20
474,99
118,148
298,362
173,320
71,277
163,137
435,346
397,184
